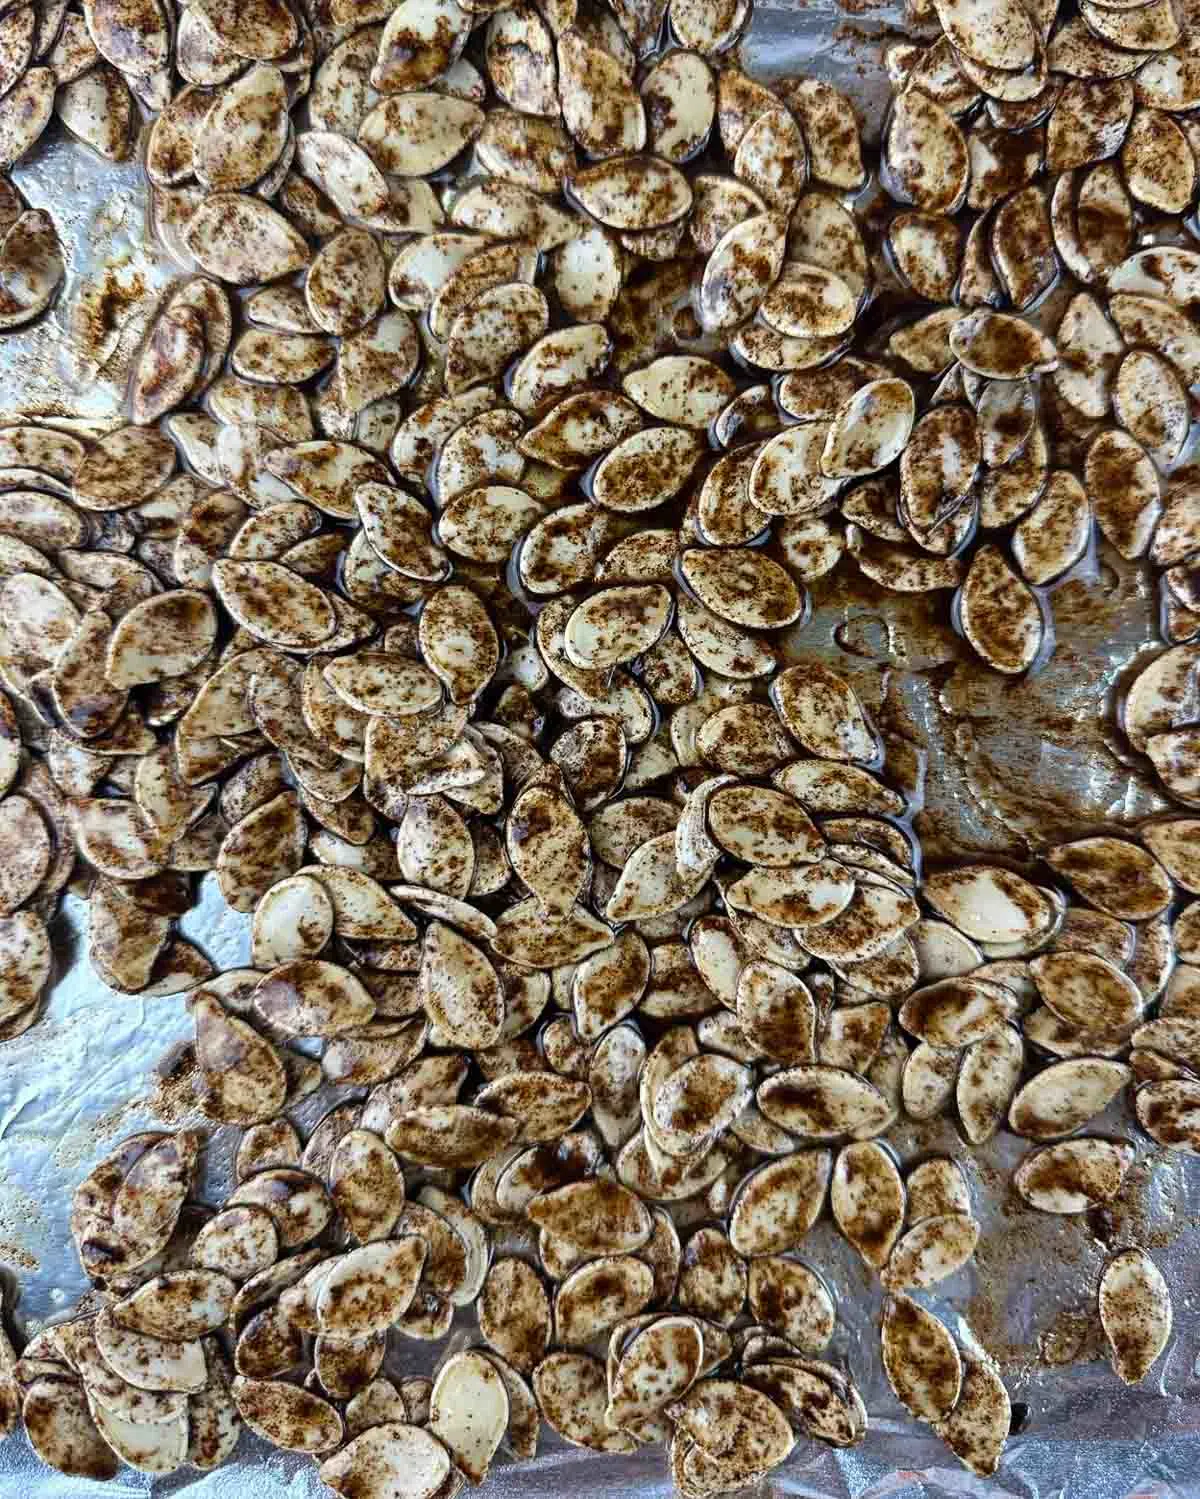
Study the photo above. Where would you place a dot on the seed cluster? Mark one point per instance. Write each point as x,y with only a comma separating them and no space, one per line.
444,597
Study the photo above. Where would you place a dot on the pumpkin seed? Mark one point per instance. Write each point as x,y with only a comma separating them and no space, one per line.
736,1427
62,1432
925,249
822,711
925,344
414,134
794,897
31,262
999,615
366,1185
486,335
1000,346
1124,488
596,1216
1065,1096
870,430
1055,533
600,1294
148,1362
920,1359
778,1203
161,637
181,1305
273,603
1116,876
870,922
808,301
312,997
370,1287
460,989
244,1077
991,1068
1087,991
514,1313
925,155
1135,1312
25,948
763,827
988,903
956,1012
632,192
286,1416
646,469
244,240
345,285
1002,37
389,1457
294,919
939,464
868,1199
821,1102
241,1241
1074,1175
572,1393
772,158
930,1251
612,1077
481,270
297,1202
1166,1110
712,1279
976,1429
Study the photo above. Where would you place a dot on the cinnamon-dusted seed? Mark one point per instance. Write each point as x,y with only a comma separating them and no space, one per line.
1065,1096
1074,1175
920,1359
977,1427
1135,1312
286,1416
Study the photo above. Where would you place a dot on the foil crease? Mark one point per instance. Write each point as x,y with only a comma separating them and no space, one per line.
991,766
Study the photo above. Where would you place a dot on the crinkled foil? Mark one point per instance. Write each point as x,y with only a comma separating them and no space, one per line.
991,765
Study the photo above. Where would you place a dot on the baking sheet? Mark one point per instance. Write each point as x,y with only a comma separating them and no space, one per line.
994,766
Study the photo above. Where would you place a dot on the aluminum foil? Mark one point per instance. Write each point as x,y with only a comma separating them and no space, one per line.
990,765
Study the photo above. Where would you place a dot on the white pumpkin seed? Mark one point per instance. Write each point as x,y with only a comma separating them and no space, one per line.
244,240
999,615
1055,533
1124,490
632,192
925,154
822,711
1135,1312
62,1432
148,1362
977,1427
1116,876
287,1416
1073,1176
920,1359
930,1251
988,1078
820,1102
572,1393
1065,1096
868,1200
486,335
389,1458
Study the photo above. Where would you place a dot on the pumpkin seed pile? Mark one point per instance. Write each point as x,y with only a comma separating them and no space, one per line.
444,598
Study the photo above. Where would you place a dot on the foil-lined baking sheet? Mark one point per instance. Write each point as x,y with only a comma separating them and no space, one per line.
991,765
